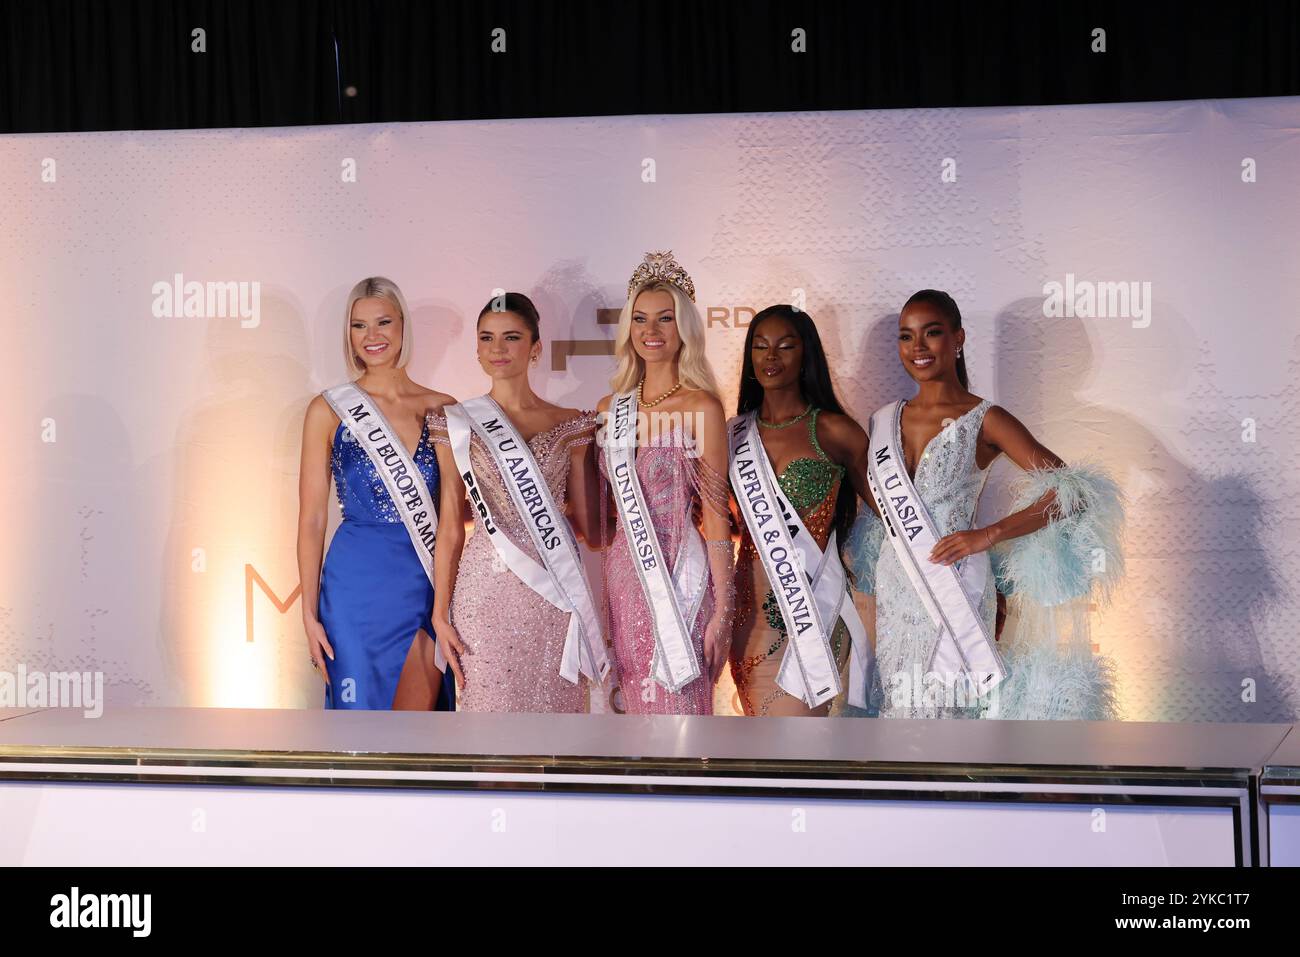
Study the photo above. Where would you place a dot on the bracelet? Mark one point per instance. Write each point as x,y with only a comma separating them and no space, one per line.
719,543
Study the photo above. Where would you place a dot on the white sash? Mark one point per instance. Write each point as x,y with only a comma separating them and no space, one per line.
560,580
950,597
675,664
401,476
790,557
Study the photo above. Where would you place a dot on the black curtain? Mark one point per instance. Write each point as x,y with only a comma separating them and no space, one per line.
128,64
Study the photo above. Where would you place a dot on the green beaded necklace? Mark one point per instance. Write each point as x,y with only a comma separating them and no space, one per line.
788,422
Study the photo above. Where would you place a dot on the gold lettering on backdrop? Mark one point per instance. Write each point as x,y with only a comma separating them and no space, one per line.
561,349
729,317
251,576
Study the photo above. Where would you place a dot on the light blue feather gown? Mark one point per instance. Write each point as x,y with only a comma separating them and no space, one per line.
1050,575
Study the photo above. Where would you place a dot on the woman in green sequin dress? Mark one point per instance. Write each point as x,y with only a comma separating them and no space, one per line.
819,456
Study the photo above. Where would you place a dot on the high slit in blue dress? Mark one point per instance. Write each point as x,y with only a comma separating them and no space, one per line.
374,593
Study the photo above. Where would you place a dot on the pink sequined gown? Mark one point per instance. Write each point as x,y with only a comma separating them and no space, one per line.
514,638
674,484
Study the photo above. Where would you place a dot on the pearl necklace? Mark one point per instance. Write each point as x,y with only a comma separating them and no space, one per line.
640,394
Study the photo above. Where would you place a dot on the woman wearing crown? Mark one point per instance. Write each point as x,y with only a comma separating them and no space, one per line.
664,501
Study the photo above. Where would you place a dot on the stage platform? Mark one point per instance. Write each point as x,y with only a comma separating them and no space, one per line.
1279,795
228,786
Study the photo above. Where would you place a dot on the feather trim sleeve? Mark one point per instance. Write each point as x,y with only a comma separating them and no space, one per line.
1078,553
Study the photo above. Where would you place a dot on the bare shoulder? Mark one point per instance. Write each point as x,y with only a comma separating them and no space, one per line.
840,434
320,423
561,414
603,404
840,426
999,419
1000,428
701,401
705,420
434,401
320,413
424,394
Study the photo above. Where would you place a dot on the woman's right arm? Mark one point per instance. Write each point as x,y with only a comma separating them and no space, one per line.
446,557
313,504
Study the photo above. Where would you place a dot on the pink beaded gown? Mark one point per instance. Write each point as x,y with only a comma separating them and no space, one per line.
513,637
676,484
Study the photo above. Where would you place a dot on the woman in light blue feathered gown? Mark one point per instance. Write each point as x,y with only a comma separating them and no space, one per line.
1056,551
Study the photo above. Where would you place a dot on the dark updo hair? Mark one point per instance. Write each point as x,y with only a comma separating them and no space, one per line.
946,306
517,303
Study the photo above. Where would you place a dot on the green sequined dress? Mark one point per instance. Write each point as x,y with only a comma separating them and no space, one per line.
811,483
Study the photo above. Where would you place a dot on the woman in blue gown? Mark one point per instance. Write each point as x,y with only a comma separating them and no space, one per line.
367,605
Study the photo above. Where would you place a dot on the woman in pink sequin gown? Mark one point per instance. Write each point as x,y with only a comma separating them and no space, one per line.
502,639
681,464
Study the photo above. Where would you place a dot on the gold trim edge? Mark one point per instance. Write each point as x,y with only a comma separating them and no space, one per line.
669,766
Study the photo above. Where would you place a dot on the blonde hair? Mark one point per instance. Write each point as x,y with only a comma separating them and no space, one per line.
693,368
376,287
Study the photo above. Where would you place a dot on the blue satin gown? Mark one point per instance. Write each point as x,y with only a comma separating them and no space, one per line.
374,593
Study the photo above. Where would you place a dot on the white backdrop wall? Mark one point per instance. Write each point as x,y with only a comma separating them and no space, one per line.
149,492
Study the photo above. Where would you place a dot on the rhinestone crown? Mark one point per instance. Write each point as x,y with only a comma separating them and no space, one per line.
662,266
